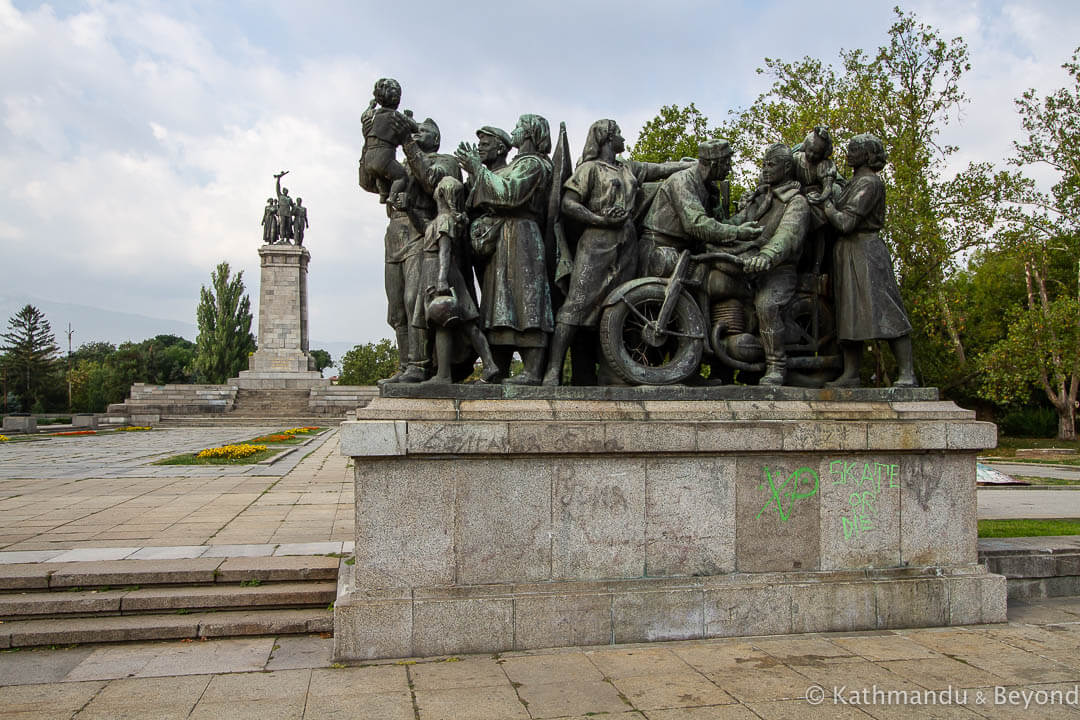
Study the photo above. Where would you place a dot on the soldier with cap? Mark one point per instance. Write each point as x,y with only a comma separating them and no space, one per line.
493,144
687,215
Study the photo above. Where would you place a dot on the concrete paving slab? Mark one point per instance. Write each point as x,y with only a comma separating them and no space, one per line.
166,698
27,667
28,556
236,687
49,699
173,552
211,656
374,706
95,554
239,551
110,662
300,651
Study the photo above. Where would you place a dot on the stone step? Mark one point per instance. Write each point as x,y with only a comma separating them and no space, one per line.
248,420
18,606
130,628
196,571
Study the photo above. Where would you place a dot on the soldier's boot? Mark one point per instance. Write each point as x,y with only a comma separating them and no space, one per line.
415,373
775,358
420,362
403,356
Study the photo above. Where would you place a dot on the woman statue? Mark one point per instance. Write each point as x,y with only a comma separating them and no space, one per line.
515,297
868,303
600,196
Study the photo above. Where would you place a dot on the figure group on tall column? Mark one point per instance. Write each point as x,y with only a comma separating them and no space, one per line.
284,221
627,272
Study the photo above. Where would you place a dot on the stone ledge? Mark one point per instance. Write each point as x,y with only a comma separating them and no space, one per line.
497,618
369,437
483,391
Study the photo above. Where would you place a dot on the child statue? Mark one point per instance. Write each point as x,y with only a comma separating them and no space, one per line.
379,169
814,167
448,303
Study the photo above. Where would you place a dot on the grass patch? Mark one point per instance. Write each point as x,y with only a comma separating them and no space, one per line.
1052,460
1007,447
1042,480
190,459
1028,528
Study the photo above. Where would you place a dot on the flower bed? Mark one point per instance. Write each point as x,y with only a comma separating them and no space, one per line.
276,438
133,428
302,431
4,438
230,452
74,432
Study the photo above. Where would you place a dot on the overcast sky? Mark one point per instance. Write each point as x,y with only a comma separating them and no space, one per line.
139,139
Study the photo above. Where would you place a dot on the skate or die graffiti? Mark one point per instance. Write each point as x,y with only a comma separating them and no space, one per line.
867,481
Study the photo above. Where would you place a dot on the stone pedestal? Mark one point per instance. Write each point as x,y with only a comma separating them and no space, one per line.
20,423
283,323
511,524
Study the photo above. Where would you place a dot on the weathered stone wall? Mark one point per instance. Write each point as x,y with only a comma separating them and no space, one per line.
497,525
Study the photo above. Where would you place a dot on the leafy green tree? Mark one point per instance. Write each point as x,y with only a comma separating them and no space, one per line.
224,317
367,364
906,93
166,359
1042,230
97,351
674,133
322,359
30,357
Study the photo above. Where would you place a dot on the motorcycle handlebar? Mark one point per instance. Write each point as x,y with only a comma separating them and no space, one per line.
718,256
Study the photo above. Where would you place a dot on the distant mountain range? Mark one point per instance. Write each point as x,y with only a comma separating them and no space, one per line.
93,324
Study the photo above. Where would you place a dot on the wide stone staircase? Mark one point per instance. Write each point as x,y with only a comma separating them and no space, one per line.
129,600
193,405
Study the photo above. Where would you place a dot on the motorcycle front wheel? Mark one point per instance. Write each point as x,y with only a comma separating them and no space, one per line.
641,357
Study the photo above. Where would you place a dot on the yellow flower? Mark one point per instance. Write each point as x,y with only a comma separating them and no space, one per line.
4,438
231,452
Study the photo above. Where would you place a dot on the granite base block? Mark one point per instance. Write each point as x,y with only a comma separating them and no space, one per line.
487,619
515,523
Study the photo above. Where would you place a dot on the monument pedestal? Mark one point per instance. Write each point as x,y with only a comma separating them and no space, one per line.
282,359
509,524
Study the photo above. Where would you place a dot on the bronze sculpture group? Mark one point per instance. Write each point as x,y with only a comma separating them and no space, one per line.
638,271
284,221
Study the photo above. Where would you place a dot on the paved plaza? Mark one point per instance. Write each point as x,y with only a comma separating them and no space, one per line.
84,497
988,671
103,492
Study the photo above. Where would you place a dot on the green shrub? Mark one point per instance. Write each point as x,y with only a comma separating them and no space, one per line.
1034,422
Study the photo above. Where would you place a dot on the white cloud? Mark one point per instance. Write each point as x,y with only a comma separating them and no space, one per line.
139,139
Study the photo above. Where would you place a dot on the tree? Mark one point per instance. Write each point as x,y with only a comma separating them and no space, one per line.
30,353
1042,345
322,359
367,364
224,317
673,134
906,93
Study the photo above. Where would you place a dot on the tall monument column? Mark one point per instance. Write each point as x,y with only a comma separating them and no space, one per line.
283,311
283,360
